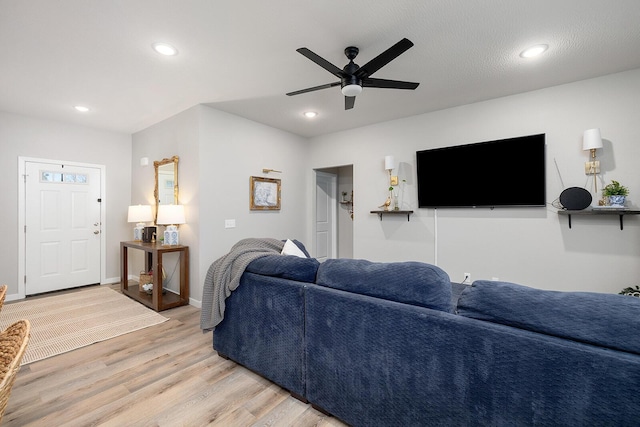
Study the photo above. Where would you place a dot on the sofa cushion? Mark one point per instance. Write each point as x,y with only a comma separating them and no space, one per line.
606,320
286,267
408,282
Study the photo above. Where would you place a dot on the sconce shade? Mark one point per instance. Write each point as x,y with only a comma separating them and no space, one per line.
170,214
139,213
389,162
591,139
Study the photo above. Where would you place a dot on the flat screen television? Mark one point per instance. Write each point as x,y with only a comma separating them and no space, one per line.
505,172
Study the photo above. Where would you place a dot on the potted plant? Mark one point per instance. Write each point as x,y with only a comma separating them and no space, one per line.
616,193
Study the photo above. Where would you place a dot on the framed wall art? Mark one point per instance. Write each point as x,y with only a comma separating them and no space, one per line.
264,194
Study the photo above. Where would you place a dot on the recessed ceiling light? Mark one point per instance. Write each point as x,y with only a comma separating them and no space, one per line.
165,49
81,108
534,51
310,114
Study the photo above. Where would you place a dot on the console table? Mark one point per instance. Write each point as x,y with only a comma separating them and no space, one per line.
153,261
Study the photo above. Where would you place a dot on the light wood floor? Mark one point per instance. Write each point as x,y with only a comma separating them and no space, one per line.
165,375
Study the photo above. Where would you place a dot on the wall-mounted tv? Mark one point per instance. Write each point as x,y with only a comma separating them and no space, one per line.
505,172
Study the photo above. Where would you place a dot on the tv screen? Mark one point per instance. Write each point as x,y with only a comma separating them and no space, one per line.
506,172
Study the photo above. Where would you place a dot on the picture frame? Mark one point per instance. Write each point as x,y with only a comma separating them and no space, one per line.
264,194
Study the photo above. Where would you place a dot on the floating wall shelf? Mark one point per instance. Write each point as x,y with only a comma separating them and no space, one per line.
380,213
595,212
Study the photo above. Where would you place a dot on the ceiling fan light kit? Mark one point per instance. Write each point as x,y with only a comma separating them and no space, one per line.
353,77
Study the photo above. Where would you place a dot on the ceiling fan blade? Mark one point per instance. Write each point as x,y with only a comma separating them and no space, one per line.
349,102
388,84
384,58
321,62
311,89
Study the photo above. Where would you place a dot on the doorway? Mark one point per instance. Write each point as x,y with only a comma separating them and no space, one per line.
334,216
61,223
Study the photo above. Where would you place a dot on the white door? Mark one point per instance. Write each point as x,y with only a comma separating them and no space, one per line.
325,222
62,226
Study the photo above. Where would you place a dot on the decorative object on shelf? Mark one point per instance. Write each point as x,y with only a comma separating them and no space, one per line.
264,194
575,198
616,193
140,214
145,283
171,216
387,202
347,202
149,234
591,141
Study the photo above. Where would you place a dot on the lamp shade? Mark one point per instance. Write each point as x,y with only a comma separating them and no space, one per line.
591,139
389,162
170,214
351,90
139,213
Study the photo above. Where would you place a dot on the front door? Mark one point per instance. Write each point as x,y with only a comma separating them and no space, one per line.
62,226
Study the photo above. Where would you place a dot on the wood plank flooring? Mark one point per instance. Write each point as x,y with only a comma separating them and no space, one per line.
165,375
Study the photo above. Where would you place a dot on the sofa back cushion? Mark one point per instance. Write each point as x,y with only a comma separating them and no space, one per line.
606,320
409,282
286,267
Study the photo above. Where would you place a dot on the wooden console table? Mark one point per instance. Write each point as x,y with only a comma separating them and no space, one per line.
153,261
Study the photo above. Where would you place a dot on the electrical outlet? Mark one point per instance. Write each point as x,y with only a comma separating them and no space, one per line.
467,278
229,223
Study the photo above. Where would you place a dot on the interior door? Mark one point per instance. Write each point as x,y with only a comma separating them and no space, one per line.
325,221
62,226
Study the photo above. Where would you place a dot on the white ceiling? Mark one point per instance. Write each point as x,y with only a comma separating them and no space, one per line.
240,56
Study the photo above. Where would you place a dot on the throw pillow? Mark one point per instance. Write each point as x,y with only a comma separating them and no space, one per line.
290,248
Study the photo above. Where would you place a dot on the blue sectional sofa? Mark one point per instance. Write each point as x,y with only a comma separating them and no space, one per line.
397,344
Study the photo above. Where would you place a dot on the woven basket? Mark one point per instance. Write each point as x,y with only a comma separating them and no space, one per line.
145,279
3,293
13,342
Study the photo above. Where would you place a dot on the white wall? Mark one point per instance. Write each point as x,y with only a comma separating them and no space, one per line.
531,246
232,149
176,136
31,137
218,153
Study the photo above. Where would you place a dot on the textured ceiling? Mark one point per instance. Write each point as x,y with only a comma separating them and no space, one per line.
240,56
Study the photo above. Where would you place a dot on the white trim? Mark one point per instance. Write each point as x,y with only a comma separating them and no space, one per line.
22,161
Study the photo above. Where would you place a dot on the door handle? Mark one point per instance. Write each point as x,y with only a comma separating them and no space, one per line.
96,232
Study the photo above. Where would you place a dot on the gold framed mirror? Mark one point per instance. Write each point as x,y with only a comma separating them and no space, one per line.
166,188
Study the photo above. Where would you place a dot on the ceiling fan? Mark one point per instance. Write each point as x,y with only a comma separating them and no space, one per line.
353,77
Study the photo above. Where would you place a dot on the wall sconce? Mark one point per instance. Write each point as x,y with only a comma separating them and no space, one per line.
171,216
389,164
139,214
265,170
592,140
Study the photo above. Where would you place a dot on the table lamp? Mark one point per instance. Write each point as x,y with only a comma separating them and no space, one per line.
139,214
171,216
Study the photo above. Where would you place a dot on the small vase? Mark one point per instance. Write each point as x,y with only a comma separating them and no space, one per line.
617,201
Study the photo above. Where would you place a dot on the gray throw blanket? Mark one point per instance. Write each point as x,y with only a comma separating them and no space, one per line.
224,275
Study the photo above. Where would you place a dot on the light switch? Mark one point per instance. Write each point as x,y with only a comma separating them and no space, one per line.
229,223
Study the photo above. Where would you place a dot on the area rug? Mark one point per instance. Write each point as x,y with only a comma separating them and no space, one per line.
65,322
